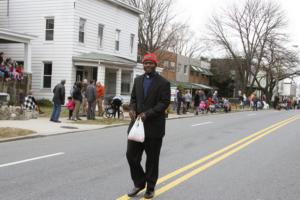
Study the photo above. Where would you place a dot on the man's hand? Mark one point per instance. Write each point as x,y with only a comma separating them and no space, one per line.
132,115
142,116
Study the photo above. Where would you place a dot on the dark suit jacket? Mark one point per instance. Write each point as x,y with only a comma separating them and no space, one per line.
154,105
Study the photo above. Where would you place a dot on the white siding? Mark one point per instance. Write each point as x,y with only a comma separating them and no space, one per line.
3,13
180,75
112,17
28,16
287,87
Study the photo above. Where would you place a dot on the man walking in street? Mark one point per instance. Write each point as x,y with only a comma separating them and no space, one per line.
150,98
58,100
91,99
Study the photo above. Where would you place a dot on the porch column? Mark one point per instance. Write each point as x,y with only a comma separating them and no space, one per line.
27,57
101,74
118,82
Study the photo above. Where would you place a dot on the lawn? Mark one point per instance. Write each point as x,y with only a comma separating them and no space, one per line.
48,111
7,132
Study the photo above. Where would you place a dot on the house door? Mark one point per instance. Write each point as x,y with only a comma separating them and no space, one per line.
95,73
79,75
89,73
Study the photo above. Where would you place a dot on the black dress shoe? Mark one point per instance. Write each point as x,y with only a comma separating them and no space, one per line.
149,194
135,191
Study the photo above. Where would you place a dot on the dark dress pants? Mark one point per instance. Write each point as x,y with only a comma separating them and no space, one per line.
134,156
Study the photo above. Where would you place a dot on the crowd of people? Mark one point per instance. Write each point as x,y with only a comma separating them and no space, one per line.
10,69
199,103
85,97
83,100
286,103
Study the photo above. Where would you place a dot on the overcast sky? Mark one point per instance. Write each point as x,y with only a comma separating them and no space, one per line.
197,13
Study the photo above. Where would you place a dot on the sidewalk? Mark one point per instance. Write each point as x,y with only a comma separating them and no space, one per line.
43,127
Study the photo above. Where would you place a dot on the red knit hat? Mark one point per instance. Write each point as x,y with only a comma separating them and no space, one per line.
150,57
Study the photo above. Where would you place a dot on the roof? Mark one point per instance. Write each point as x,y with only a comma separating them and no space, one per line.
8,36
188,85
201,70
126,6
105,58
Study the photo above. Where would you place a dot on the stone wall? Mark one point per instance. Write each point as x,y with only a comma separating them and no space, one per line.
15,87
16,113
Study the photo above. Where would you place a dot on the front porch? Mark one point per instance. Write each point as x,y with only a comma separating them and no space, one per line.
114,72
19,77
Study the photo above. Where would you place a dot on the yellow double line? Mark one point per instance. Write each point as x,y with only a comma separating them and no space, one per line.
226,152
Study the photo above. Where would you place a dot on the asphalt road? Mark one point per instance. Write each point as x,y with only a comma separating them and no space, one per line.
260,161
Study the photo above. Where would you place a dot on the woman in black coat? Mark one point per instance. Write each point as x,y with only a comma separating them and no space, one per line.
77,97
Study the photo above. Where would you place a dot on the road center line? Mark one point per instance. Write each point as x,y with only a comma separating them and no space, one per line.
201,124
217,153
218,159
31,159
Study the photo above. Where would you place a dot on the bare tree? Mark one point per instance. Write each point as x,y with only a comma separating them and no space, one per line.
186,43
279,63
156,30
244,33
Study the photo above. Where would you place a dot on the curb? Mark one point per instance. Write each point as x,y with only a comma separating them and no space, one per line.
37,135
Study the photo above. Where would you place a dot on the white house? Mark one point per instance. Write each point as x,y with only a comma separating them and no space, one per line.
287,87
76,40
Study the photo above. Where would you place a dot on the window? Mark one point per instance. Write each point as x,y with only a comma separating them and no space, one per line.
49,31
185,69
81,29
169,66
125,83
20,63
117,43
166,64
131,43
47,74
100,35
179,67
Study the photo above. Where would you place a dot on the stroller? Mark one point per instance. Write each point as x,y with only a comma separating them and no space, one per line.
211,106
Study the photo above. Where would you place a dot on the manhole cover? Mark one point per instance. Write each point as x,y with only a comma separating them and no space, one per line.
69,127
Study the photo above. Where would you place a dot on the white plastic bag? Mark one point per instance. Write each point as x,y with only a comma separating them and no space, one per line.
137,132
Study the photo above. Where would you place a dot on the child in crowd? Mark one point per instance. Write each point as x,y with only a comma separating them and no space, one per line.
70,106
202,106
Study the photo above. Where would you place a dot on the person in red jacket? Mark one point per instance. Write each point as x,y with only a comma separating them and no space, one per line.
100,89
